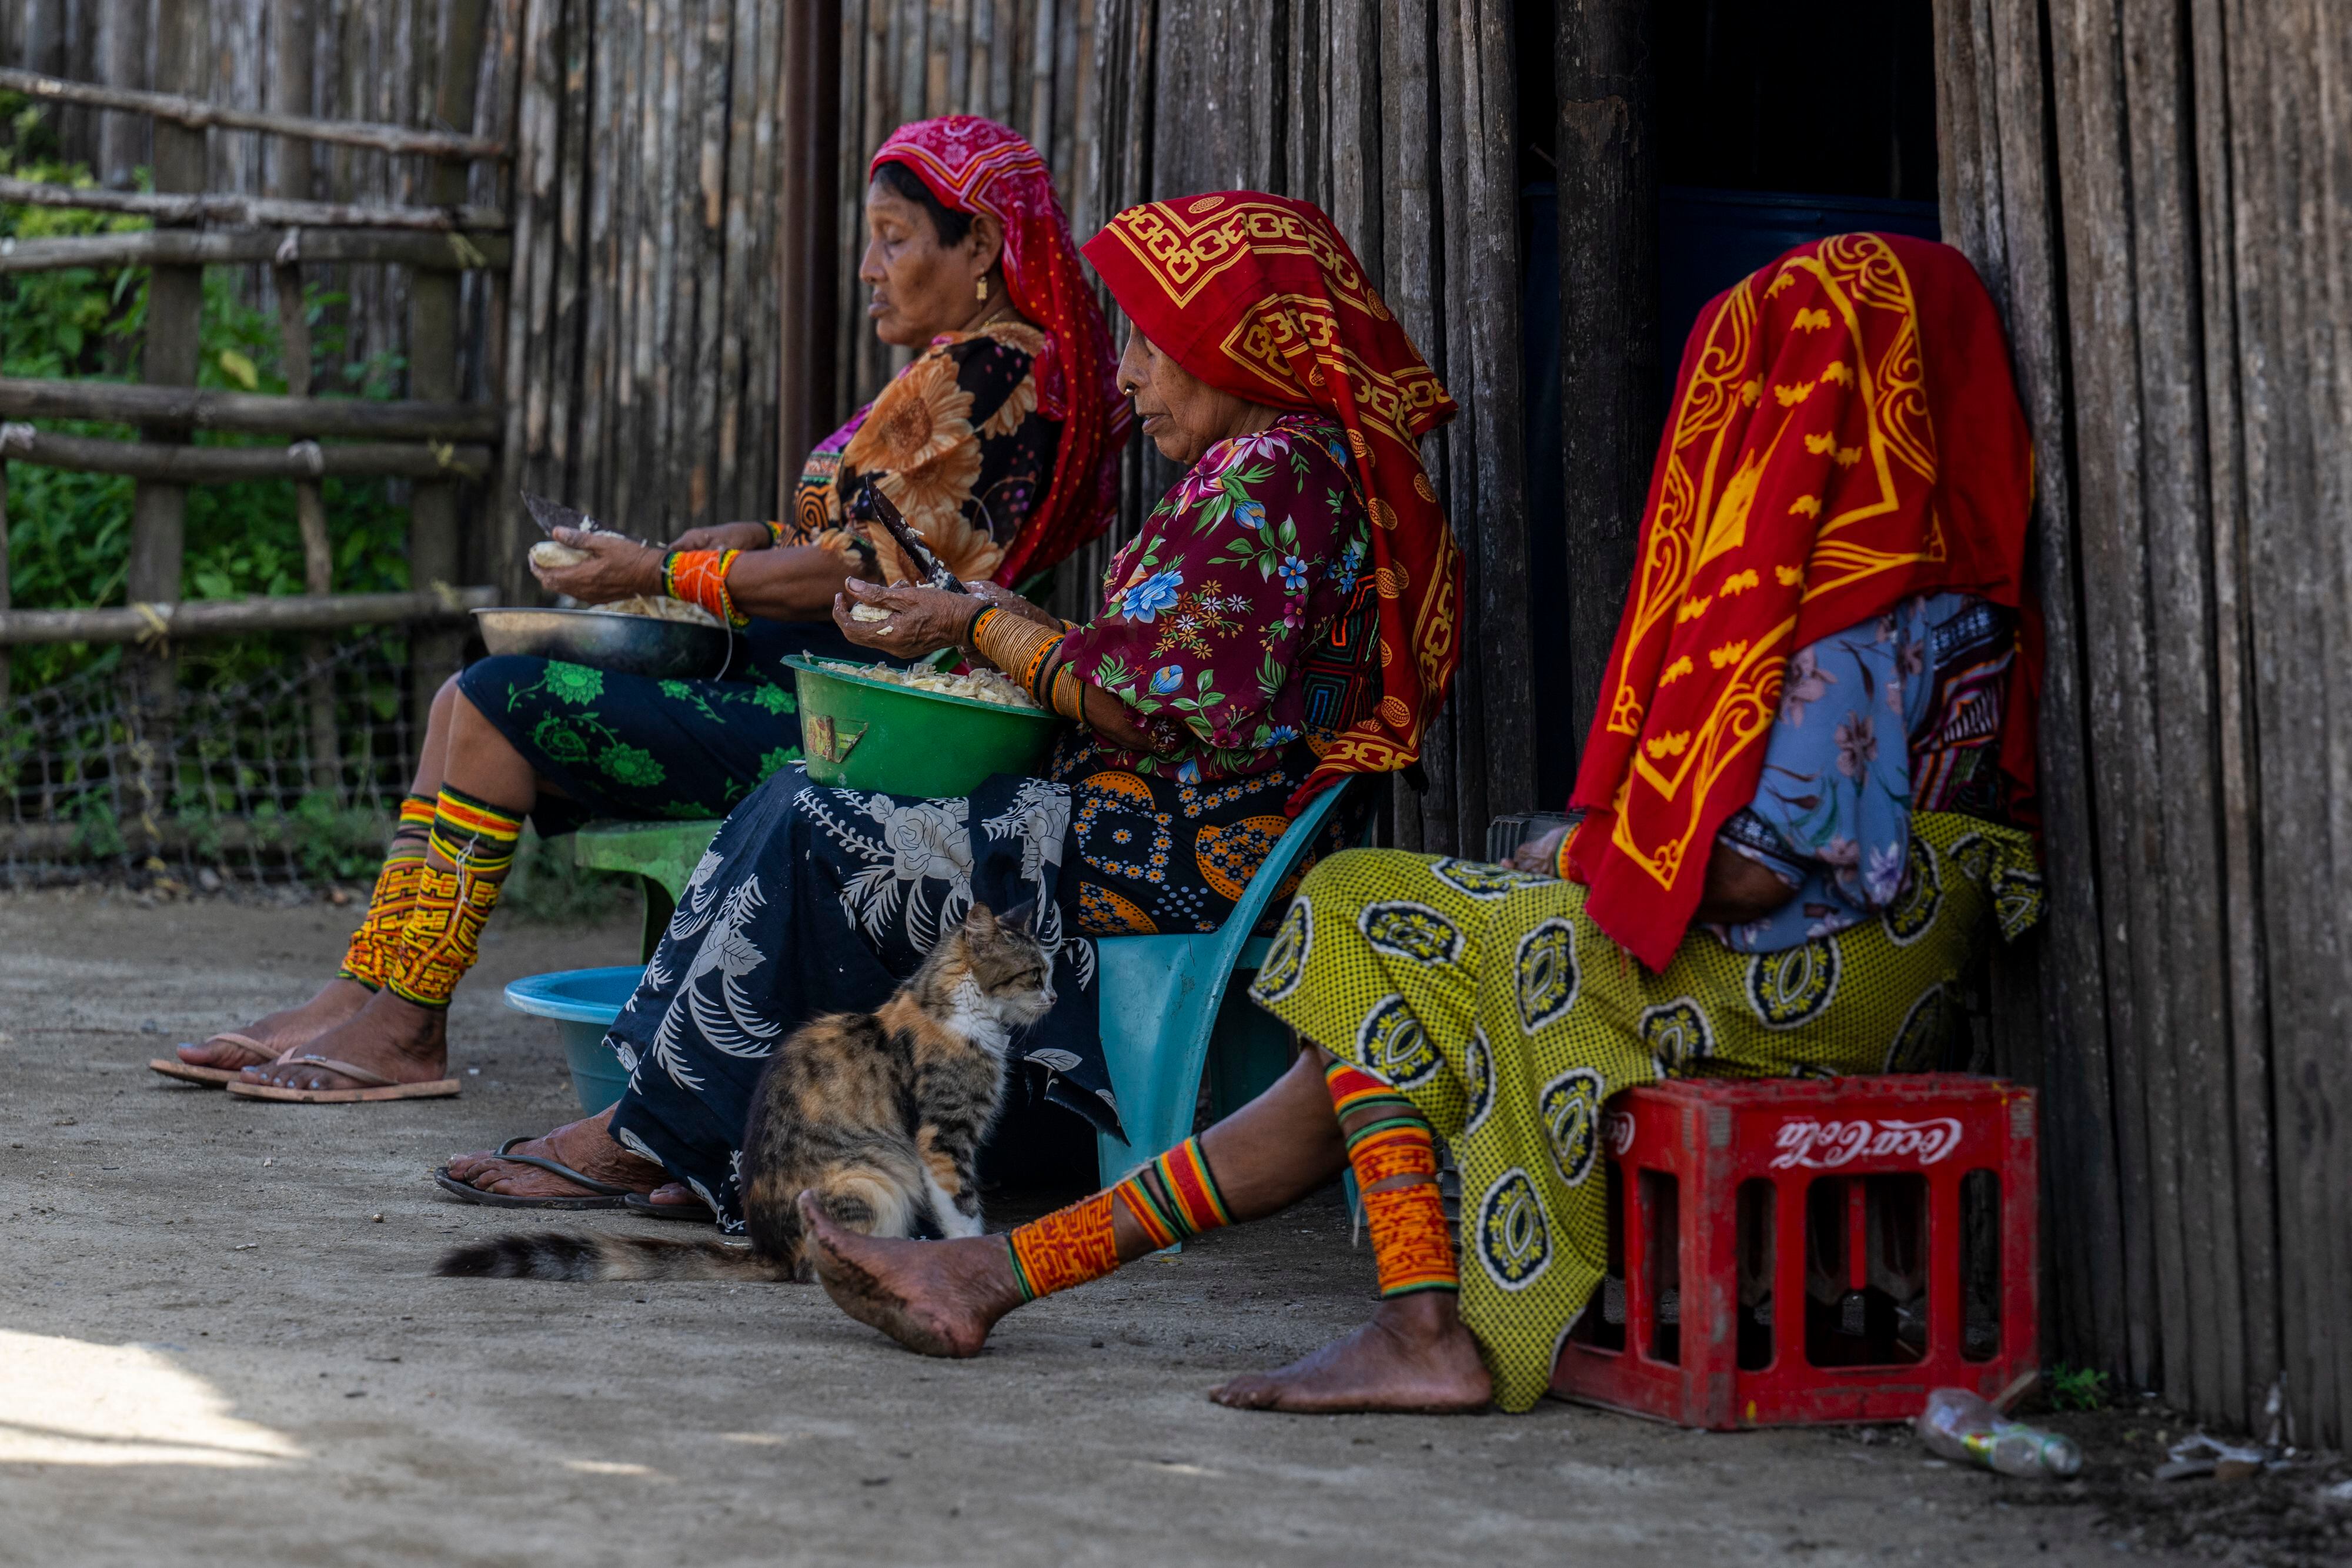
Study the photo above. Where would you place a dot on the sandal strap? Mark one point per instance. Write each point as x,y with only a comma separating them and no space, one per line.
556,1167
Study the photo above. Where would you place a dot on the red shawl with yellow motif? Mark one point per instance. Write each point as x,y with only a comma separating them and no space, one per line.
1259,296
1844,434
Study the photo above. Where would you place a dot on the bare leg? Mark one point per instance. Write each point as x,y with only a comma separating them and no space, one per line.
338,999
401,1040
1416,1354
942,1297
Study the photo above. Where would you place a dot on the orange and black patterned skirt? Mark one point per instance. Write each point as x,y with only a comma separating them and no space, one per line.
1159,857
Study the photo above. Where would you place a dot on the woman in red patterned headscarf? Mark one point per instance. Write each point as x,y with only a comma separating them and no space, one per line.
1822,689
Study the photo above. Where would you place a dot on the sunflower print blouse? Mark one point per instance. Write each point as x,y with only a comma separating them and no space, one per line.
955,441
1213,611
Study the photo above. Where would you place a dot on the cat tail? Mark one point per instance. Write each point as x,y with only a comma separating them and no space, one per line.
557,1255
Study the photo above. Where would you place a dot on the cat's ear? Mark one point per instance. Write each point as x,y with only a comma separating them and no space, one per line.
1021,916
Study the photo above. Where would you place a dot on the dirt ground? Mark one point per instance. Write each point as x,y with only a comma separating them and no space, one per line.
218,1344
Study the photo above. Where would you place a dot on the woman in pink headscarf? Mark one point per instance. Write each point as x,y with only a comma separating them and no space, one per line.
999,443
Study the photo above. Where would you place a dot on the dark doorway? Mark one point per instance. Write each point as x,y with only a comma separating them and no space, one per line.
1775,122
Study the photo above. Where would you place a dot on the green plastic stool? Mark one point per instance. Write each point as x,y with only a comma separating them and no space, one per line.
661,855
1169,1011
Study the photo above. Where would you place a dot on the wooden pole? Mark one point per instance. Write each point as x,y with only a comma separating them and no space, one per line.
175,297
808,257
194,206
180,406
195,114
202,247
433,550
1608,319
155,623
234,464
3,575
290,91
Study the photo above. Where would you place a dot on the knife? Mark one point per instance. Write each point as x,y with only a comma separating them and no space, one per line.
934,572
553,514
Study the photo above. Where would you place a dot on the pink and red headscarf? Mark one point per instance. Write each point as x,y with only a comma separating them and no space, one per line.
975,165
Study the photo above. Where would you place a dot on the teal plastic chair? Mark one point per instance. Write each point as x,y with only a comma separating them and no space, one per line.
1168,1009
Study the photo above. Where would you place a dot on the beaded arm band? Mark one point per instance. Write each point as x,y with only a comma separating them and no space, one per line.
776,532
700,577
1030,655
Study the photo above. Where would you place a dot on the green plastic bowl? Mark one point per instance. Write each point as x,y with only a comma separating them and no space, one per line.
876,734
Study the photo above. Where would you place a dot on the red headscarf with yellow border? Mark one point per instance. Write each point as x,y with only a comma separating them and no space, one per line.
1259,296
1844,434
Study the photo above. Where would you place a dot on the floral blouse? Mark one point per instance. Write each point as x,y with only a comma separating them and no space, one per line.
955,441
1900,713
1213,614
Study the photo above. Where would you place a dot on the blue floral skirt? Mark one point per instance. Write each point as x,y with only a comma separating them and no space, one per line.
814,900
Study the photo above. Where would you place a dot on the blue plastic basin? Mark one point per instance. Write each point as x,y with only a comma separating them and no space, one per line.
583,1003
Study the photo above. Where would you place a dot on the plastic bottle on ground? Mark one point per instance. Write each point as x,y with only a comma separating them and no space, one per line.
1961,1427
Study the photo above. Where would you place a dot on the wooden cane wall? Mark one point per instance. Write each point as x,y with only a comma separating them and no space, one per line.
1396,117
2160,197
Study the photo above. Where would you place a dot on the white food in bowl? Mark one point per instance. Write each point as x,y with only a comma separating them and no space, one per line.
981,685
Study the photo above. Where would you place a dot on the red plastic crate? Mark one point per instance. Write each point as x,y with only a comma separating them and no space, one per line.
1881,1164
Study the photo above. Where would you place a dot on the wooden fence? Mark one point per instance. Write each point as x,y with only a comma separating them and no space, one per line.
436,234
2159,198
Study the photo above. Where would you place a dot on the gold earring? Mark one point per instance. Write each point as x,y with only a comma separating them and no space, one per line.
981,289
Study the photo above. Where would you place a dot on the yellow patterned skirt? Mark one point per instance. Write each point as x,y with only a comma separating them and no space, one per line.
1486,997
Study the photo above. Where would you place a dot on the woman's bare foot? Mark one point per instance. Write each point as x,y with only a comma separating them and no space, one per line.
405,1042
587,1146
939,1298
1414,1356
283,1031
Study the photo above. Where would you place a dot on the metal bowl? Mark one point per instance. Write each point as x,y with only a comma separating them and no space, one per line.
604,639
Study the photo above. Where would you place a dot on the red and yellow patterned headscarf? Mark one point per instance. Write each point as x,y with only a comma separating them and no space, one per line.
975,165
1844,434
1259,296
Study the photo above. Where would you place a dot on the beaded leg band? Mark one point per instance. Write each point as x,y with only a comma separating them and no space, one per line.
443,932
1172,1199
1068,1246
377,941
1412,1244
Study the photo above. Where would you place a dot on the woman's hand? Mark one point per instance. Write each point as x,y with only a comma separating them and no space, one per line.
919,620
725,535
1539,856
616,567
990,591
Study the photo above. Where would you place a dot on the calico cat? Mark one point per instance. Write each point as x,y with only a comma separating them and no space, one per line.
880,1114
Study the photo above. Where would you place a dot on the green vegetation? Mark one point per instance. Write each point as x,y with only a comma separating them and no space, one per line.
2077,1388
69,534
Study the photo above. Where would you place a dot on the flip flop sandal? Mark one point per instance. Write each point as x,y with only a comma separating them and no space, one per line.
379,1086
607,1196
213,1077
642,1206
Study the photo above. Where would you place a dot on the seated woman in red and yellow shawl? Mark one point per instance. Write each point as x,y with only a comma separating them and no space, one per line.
999,441
1798,797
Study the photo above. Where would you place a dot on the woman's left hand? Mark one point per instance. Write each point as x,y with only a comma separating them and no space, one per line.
921,620
616,567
